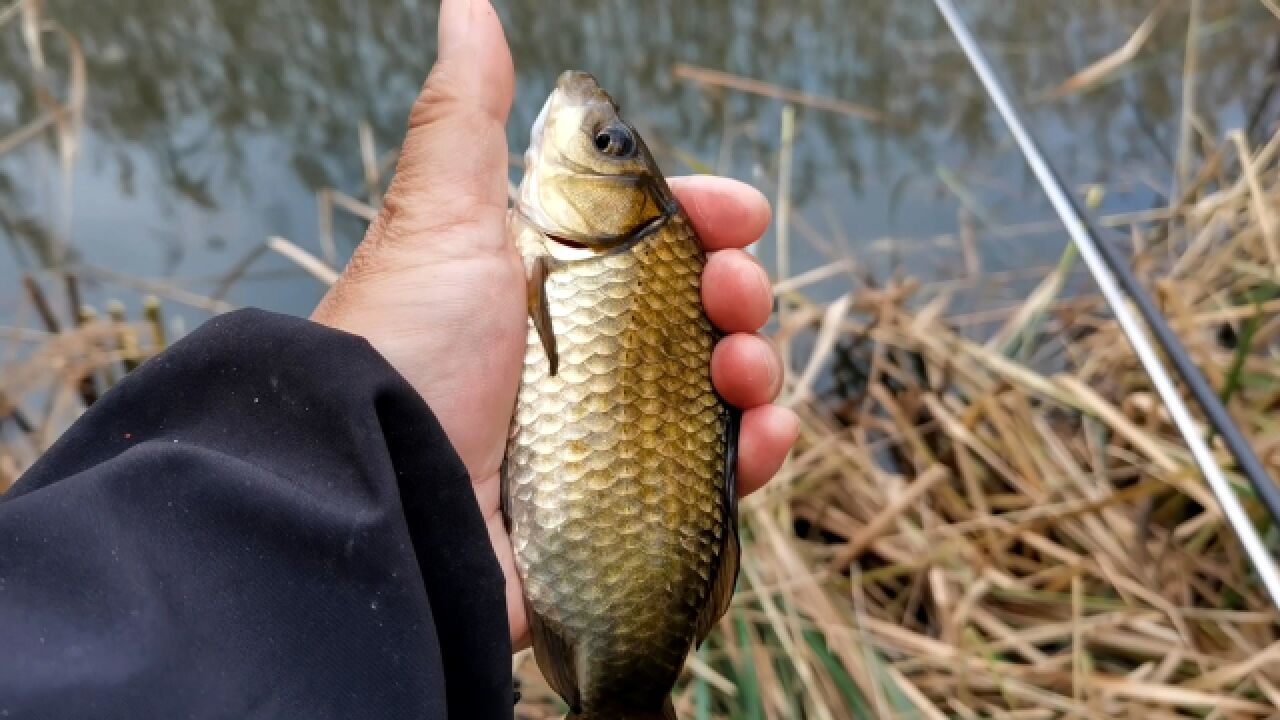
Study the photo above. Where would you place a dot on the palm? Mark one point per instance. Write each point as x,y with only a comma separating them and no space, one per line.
438,289
456,332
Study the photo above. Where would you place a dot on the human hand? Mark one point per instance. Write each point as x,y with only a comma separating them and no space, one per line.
439,290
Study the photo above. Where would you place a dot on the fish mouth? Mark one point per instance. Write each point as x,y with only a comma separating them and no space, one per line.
573,88
582,88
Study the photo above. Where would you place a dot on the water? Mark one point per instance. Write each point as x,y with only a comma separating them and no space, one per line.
211,124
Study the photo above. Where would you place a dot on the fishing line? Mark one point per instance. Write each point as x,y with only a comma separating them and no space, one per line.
1111,274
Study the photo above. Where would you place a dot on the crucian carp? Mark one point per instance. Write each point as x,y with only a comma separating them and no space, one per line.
618,484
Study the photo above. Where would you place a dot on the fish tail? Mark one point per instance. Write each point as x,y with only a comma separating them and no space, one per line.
668,712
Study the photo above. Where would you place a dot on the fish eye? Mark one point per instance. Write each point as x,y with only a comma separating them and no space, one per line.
615,140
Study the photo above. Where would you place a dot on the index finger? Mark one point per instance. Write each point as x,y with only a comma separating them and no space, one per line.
725,213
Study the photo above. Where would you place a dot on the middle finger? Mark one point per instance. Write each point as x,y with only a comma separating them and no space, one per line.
736,291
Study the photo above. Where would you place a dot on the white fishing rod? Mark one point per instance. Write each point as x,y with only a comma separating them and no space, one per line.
1111,273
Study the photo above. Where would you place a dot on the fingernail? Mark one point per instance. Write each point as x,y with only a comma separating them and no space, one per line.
454,26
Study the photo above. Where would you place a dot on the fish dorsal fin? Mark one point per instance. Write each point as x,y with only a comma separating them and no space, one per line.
732,428
726,571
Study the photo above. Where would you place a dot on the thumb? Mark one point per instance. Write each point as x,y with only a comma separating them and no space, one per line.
452,171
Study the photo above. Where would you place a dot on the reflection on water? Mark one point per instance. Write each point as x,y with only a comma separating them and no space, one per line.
211,123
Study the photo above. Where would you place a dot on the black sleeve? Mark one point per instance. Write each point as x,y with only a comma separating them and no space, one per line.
265,521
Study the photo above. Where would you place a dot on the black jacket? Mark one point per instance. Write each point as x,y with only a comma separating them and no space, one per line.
264,521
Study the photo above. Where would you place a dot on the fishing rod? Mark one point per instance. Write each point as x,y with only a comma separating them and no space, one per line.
1111,274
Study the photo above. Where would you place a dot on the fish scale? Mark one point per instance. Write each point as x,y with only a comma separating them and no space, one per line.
616,463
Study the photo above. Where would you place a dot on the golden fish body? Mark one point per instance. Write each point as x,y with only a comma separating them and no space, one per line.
616,486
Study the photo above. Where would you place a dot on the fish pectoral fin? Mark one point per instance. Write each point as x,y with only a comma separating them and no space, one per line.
726,571
540,311
556,656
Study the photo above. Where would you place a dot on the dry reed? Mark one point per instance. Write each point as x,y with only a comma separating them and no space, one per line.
995,518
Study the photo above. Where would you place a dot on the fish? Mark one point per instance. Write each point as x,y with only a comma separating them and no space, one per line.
618,482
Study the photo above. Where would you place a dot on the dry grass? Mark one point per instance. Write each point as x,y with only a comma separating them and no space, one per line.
52,371
988,514
965,533
962,533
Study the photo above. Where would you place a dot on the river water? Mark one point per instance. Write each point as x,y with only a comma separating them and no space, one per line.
210,125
